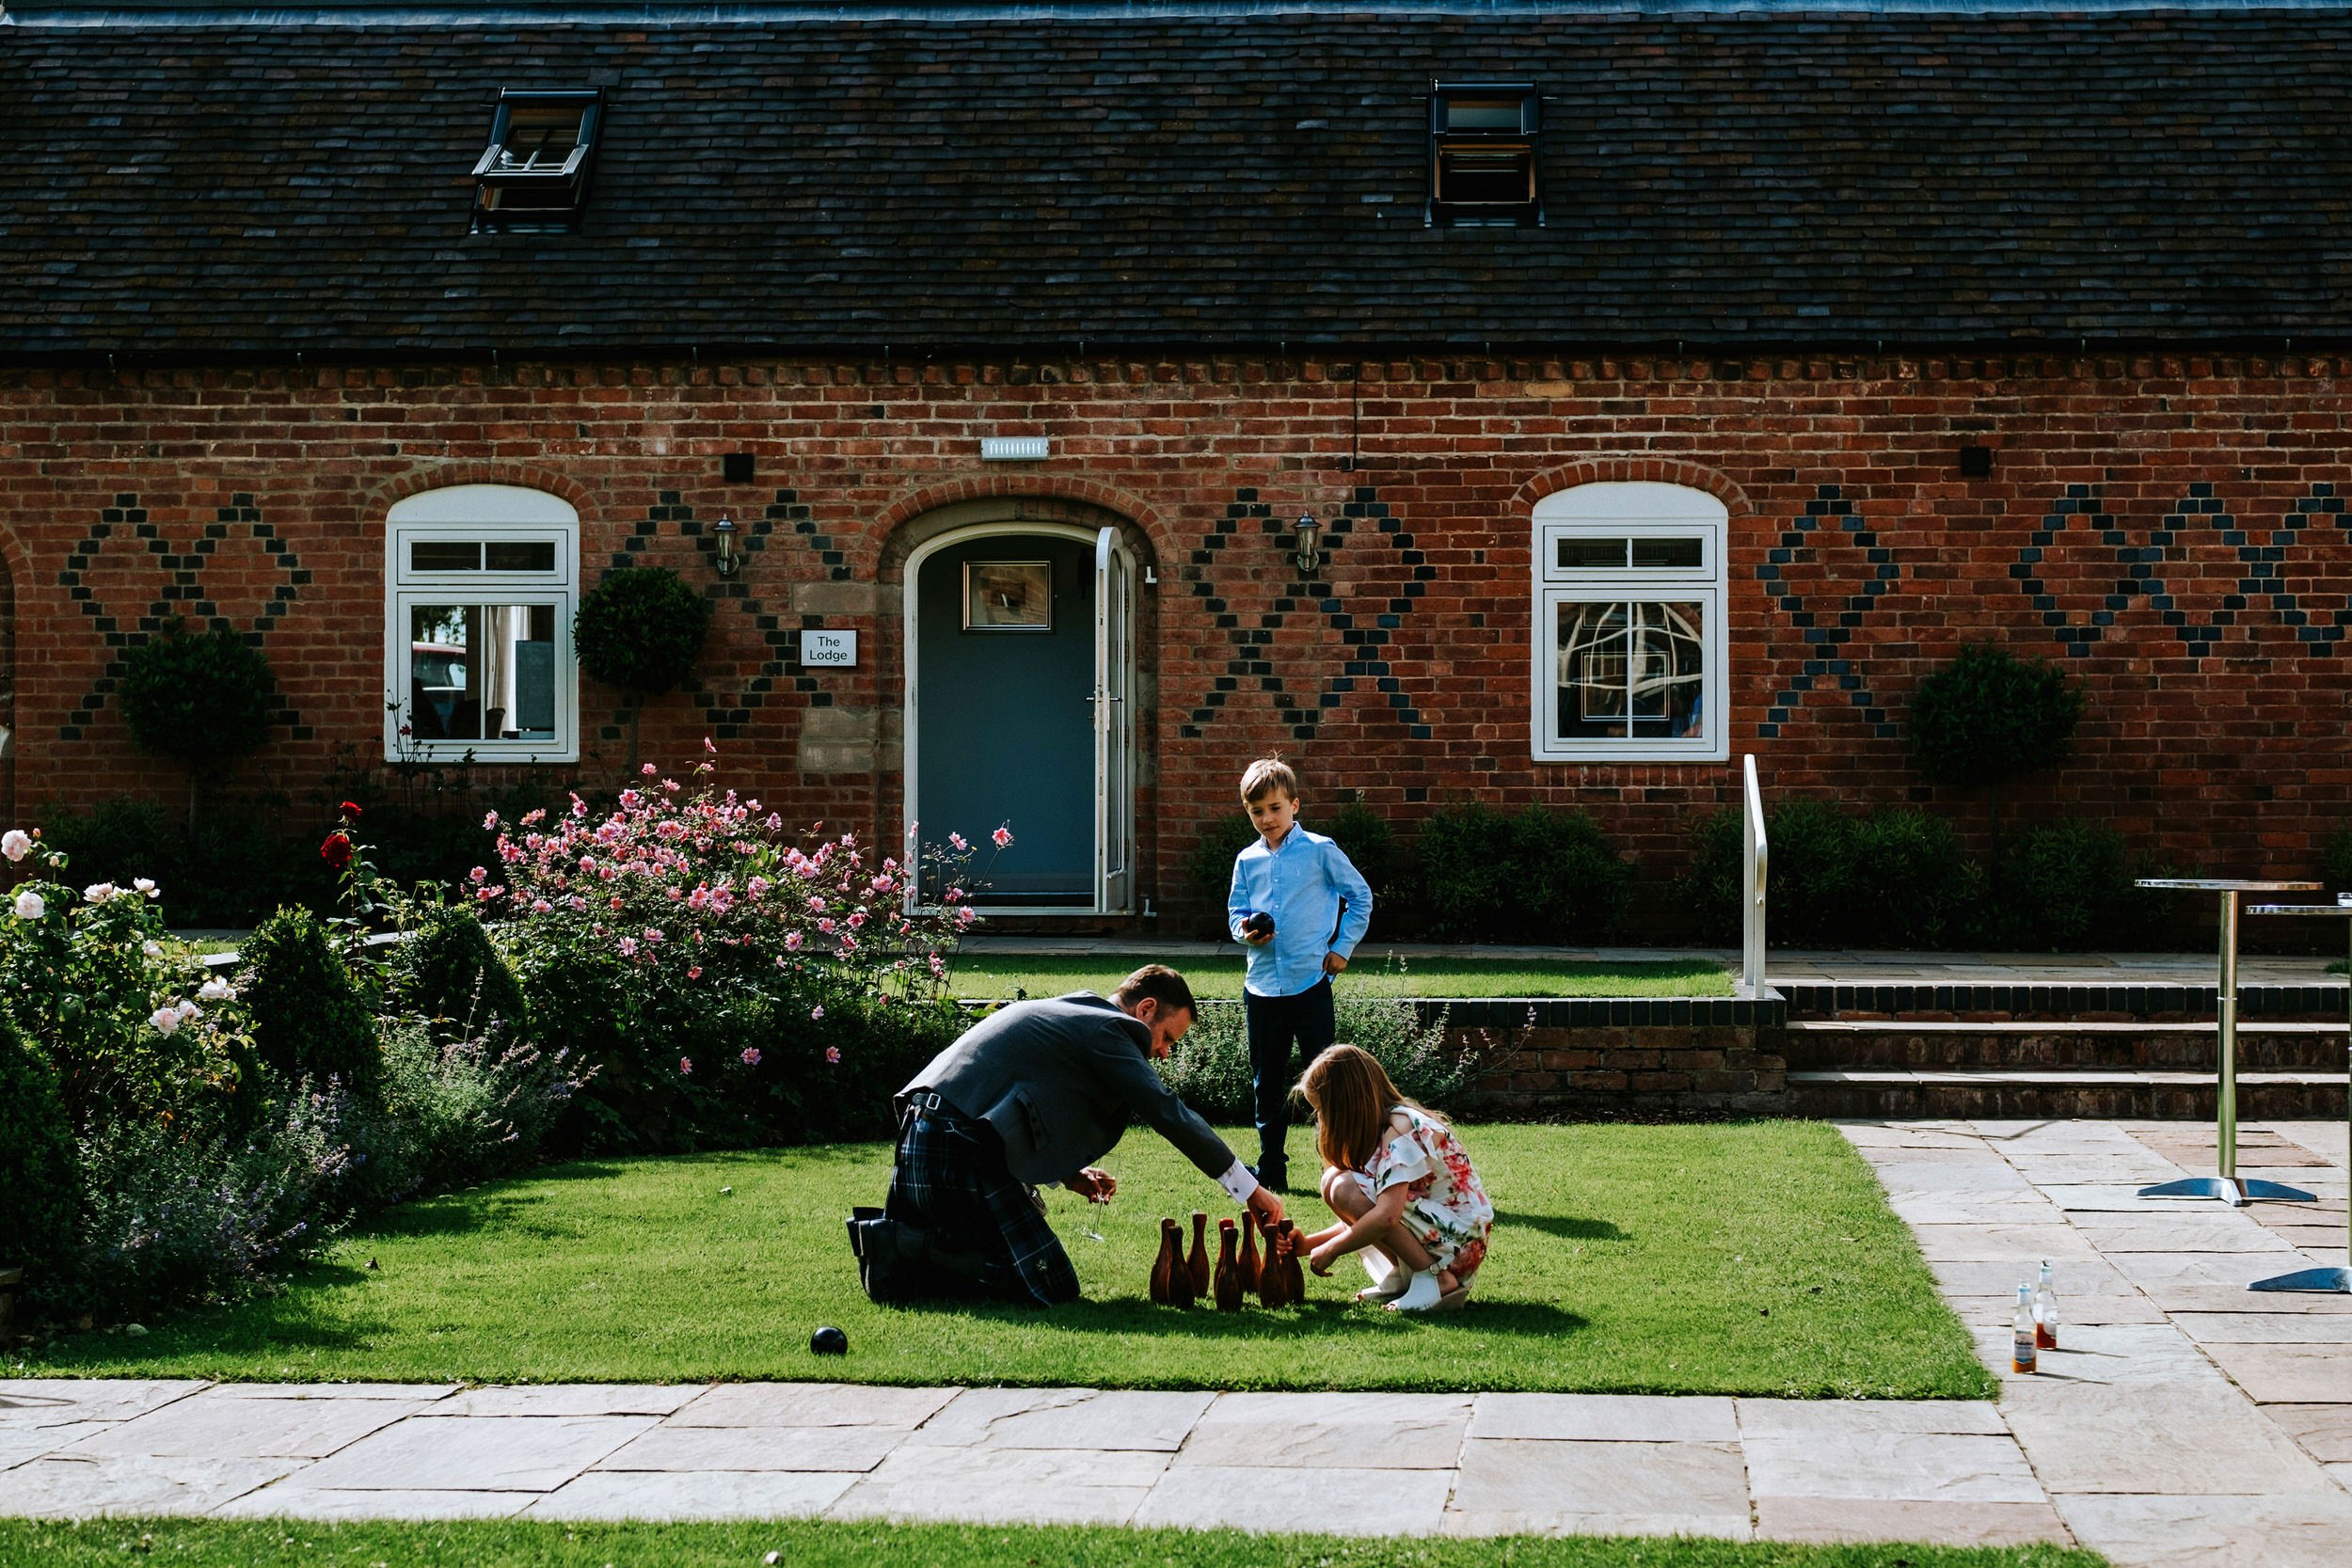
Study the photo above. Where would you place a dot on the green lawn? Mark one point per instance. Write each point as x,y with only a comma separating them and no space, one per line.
987,976
805,1544
1755,1258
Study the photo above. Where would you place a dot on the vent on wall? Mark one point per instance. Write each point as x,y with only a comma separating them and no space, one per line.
1482,154
534,176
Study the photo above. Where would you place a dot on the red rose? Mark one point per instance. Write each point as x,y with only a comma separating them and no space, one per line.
351,808
336,851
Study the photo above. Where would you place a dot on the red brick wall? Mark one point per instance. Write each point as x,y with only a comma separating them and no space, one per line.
2217,743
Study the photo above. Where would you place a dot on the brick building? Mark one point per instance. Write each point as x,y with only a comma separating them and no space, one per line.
1662,387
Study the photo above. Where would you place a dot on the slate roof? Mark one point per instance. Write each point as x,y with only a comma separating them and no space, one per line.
956,180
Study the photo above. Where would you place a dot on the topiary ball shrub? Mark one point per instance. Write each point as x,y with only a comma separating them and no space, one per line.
1989,716
36,1170
308,1019
1538,876
641,629
199,697
447,973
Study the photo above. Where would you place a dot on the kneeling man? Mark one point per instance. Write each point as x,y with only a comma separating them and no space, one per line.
1032,1094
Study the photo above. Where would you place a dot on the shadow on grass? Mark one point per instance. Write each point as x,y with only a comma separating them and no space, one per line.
1568,1227
1254,1323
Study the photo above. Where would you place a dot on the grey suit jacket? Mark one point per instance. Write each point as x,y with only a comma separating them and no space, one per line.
1059,1081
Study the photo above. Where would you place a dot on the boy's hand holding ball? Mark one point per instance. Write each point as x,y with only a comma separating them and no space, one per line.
1257,927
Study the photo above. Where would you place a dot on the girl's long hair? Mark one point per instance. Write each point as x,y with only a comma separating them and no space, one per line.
1352,1096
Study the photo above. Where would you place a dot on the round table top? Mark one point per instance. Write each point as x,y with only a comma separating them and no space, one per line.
2224,884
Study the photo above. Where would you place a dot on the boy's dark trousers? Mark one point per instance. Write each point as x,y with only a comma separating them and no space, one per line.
1276,1024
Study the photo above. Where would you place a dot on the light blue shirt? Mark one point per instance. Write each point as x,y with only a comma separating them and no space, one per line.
1301,885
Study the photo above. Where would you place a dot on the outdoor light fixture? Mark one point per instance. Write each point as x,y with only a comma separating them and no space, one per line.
1308,553
727,560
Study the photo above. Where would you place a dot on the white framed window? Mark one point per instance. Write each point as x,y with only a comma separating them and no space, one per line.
1629,635
479,585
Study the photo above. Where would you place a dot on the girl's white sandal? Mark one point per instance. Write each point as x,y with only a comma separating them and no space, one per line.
1388,1280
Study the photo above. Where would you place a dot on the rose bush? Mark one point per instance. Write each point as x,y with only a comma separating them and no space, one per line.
692,926
190,1169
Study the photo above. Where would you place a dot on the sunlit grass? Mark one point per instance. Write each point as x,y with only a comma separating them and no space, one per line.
1751,1258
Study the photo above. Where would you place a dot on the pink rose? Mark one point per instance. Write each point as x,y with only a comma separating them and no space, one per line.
686,1063
816,1014
751,1055
833,1053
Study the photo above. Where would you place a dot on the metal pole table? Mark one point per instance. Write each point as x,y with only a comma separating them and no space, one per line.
2337,1280
2224,1184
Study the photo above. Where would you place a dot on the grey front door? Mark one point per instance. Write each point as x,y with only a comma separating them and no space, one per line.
1005,681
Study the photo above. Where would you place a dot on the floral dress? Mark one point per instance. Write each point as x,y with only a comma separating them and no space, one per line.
1444,1203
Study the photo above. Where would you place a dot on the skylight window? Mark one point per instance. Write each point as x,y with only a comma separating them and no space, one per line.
1482,154
535,174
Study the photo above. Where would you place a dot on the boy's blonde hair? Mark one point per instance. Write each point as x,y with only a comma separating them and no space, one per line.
1266,775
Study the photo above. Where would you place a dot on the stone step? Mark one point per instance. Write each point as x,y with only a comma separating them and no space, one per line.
2153,1094
2037,1043
2112,1001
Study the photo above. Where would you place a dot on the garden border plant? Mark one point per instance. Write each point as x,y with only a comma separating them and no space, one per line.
222,1131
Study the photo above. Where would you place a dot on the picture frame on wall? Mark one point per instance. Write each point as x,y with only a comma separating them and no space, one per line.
1009,596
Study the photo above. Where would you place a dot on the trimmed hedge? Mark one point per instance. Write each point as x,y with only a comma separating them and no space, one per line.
308,1019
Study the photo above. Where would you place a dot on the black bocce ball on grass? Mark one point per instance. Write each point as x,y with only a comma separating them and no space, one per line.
828,1340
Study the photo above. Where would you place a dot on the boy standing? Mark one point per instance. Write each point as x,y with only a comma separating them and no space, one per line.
1301,907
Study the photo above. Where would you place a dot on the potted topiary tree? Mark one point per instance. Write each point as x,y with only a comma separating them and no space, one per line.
641,629
1987,717
200,698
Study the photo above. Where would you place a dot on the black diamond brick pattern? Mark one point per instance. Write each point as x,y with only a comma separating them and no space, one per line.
2264,576
1367,643
1827,639
726,722
182,594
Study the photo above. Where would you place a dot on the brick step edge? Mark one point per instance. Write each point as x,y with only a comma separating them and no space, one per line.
2049,1077
2118,998
2152,1095
1559,1013
2054,1026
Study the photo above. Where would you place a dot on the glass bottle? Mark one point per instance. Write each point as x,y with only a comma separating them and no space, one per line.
2024,1353
2045,1311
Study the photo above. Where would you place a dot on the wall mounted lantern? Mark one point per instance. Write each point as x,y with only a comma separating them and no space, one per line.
1307,552
727,560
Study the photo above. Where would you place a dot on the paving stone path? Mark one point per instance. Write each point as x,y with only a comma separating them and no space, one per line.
2184,1421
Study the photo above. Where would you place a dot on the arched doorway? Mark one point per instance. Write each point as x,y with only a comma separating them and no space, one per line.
1020,708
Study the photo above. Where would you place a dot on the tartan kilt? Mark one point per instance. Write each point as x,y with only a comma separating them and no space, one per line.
950,1181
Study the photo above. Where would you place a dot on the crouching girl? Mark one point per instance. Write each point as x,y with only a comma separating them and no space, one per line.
1401,1183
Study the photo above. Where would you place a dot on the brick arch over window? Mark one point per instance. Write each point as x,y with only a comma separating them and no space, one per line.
522,476
1656,470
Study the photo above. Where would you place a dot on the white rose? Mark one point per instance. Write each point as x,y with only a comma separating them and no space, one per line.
187,1011
165,1020
29,907
153,949
147,886
215,989
16,843
97,892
